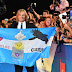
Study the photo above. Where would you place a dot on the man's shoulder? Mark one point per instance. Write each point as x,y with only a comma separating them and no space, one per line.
30,25
13,25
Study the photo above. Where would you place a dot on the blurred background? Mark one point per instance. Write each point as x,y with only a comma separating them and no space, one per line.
14,5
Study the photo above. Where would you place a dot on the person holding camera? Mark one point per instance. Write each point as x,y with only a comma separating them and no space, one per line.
7,22
66,36
59,5
44,14
65,32
55,17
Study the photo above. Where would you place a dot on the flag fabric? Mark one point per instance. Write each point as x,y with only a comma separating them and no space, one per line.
45,64
29,45
6,67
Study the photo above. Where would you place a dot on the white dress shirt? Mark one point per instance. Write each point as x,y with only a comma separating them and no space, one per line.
23,25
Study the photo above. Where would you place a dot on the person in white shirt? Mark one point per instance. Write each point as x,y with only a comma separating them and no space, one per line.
21,18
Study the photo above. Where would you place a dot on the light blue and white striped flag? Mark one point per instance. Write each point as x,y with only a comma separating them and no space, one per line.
36,44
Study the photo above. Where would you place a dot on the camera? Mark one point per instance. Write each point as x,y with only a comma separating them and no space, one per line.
58,23
67,8
64,16
68,16
31,7
64,19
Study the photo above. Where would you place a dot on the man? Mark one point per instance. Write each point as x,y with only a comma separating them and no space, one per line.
21,18
55,17
44,14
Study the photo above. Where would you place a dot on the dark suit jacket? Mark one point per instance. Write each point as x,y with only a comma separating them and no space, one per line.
17,67
28,25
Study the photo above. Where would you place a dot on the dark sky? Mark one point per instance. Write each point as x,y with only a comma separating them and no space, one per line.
14,5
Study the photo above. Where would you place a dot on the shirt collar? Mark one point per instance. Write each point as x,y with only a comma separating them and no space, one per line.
22,22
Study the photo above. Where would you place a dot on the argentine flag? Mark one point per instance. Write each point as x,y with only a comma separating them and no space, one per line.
24,47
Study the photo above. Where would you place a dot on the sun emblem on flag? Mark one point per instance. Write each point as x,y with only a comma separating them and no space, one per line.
19,46
19,37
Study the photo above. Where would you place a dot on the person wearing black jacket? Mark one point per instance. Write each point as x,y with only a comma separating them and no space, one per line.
21,18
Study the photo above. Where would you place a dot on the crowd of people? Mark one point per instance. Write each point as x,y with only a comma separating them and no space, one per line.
31,19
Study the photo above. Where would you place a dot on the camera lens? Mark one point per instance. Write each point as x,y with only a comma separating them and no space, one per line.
63,16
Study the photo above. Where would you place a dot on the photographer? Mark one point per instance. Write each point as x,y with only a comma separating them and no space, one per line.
55,3
44,15
66,31
67,34
55,17
58,31
63,32
6,22
59,5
